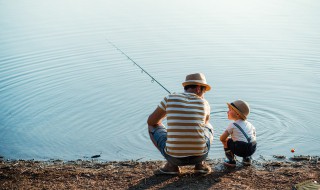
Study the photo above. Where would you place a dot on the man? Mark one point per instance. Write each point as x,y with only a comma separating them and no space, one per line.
187,139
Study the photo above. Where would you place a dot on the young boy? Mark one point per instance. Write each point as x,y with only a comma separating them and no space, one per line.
243,134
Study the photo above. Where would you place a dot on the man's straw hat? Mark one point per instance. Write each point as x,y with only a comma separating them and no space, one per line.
196,79
241,107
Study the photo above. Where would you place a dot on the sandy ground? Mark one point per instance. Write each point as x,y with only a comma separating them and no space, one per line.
94,174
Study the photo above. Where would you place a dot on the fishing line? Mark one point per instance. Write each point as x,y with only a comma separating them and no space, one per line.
142,70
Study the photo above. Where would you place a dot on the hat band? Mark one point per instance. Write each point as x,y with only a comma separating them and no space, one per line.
238,111
197,81
235,106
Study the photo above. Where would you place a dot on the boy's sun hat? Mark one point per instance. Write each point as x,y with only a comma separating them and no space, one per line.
241,107
196,79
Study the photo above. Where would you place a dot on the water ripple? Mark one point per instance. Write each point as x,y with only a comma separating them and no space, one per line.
65,92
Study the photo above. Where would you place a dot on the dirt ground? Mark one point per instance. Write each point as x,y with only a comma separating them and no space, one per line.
94,174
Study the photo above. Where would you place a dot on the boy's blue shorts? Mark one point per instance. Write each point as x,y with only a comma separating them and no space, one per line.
159,135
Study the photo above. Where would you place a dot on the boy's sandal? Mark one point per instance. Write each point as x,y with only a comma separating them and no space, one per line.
229,163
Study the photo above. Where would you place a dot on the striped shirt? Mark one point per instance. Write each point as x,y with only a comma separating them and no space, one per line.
186,116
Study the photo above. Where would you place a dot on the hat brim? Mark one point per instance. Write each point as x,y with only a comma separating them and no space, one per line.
238,111
208,87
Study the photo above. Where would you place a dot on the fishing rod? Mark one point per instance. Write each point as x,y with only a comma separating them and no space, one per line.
153,79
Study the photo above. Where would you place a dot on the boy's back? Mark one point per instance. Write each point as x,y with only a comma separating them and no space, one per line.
246,126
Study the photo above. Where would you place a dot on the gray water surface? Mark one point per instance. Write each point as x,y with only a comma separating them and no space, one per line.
66,93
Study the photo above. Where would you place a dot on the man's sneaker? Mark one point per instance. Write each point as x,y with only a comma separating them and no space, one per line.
202,168
168,169
246,161
230,163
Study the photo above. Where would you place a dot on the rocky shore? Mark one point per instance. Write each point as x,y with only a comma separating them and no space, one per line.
280,173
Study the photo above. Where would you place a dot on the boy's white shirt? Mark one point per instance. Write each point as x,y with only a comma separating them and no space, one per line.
237,135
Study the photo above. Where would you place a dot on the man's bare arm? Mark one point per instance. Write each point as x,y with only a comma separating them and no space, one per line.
156,117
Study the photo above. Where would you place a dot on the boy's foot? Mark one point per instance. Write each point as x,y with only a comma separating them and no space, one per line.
202,168
229,154
246,161
230,163
168,169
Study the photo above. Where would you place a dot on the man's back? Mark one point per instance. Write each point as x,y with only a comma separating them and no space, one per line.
186,116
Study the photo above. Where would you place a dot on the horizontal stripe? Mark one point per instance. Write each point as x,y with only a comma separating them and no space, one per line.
186,114
199,122
184,136
199,135
191,104
162,104
183,124
172,111
186,145
182,115
202,147
184,95
186,107
186,142
183,101
185,127
186,151
184,118
187,139
184,154
182,133
185,130
188,96
185,148
189,110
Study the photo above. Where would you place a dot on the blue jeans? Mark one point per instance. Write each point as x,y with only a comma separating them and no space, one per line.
159,137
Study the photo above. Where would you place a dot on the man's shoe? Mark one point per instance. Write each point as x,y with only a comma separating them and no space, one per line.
230,163
246,161
202,168
168,169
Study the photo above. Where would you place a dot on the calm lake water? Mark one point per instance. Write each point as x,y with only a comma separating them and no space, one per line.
66,93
